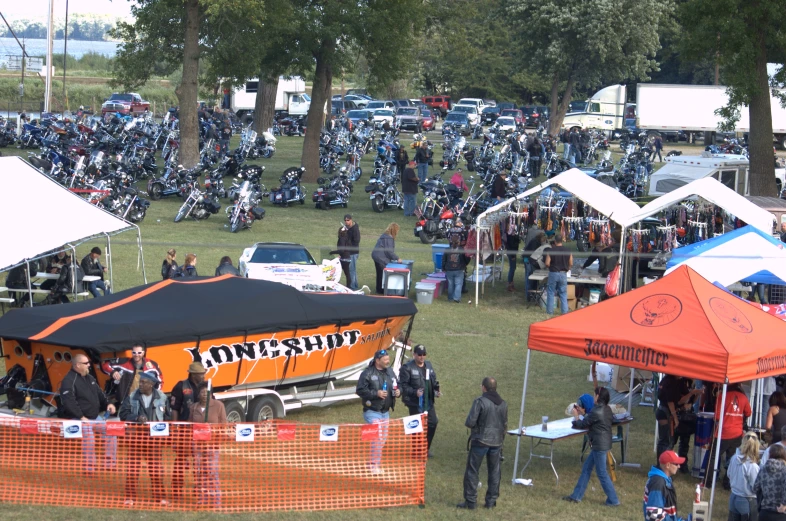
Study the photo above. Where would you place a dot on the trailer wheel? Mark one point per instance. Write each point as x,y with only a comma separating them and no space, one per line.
264,408
783,142
235,411
779,187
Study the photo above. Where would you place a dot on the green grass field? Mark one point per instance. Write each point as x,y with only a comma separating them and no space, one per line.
465,344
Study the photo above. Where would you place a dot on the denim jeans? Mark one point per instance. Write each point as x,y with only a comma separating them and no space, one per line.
376,446
409,204
423,172
511,267
566,155
474,460
529,285
353,271
557,283
743,508
94,286
90,430
597,459
455,283
761,291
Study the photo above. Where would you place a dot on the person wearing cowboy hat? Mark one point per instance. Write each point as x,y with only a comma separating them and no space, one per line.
184,394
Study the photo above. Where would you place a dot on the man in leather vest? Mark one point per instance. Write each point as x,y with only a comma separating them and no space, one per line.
488,421
146,404
419,388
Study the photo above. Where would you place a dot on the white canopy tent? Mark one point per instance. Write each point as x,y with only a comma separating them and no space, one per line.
40,216
601,197
714,191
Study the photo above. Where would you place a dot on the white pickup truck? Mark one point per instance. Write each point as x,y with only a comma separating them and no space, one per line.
291,97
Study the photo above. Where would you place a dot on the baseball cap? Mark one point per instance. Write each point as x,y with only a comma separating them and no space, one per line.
670,457
420,349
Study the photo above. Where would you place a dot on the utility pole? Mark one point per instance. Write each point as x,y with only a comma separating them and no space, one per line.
49,68
65,58
22,85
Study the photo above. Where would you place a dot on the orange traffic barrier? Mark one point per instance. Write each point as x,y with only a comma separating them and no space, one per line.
275,465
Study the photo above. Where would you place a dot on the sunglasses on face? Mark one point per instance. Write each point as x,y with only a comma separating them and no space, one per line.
137,352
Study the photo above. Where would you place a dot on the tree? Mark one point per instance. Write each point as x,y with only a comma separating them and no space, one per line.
178,33
743,36
584,43
333,32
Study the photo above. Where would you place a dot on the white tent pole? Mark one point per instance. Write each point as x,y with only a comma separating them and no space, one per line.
477,263
73,270
109,261
717,447
141,253
29,285
621,285
627,425
521,418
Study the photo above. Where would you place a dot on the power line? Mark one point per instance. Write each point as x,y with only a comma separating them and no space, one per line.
24,53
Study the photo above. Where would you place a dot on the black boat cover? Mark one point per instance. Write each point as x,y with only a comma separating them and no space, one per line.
190,310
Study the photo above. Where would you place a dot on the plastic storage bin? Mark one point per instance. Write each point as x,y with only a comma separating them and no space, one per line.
424,292
441,286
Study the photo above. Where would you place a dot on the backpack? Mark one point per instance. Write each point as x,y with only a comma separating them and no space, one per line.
176,272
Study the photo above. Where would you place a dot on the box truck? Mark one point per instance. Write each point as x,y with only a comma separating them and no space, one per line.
291,97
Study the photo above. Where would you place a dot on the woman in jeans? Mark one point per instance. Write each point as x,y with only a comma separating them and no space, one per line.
598,421
770,486
743,470
454,264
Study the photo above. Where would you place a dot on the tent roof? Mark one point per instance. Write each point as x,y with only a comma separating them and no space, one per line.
603,198
171,311
29,232
745,254
681,325
715,192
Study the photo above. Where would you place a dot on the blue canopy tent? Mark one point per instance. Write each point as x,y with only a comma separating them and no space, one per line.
746,254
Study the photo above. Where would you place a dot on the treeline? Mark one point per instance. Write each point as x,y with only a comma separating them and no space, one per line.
80,27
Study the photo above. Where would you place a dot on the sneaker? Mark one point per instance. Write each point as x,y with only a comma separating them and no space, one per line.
128,503
467,506
430,454
375,469
570,499
490,505
163,503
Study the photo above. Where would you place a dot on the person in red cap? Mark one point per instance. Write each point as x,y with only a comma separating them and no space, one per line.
660,499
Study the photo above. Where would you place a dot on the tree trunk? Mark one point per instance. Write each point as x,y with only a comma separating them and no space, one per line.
320,94
762,162
554,102
265,104
558,115
187,90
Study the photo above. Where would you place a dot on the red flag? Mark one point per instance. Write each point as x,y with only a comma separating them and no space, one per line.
28,426
369,432
286,431
115,428
200,431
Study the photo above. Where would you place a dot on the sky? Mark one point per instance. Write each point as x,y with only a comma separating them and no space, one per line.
37,9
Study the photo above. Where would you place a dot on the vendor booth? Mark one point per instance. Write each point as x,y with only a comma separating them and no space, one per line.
681,324
42,218
588,203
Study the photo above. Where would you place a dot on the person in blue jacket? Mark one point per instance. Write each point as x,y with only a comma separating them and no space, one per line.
660,499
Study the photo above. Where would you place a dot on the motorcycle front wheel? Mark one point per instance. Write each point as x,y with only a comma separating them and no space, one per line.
235,225
378,204
181,213
155,191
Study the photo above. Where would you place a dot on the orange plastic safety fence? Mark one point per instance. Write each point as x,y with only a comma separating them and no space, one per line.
275,465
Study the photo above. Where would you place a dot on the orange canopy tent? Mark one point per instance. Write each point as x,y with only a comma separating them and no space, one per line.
681,325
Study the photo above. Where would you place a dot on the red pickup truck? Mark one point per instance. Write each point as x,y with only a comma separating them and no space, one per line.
440,103
129,103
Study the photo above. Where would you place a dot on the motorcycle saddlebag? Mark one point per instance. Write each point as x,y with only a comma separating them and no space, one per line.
370,188
258,212
331,195
212,207
315,197
431,226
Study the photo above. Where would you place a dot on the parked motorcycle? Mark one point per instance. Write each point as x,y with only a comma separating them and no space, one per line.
290,190
246,209
199,204
132,208
383,191
333,191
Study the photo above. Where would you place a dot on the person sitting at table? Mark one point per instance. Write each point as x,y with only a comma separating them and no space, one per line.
53,265
91,265
70,281
17,278
598,421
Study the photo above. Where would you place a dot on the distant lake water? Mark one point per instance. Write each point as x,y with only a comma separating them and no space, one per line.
37,47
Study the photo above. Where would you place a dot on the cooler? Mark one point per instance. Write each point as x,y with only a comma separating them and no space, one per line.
425,292
395,281
437,250
441,286
705,421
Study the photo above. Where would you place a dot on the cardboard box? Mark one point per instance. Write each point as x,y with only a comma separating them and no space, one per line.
571,291
572,304
620,378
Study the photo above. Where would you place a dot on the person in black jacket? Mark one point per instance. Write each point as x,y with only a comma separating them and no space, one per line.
378,389
421,158
348,247
409,189
82,399
402,158
575,146
598,421
91,265
454,264
605,255
169,266
488,421
419,388
499,188
225,267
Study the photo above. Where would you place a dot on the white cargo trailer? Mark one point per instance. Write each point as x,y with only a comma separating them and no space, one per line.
691,108
291,97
